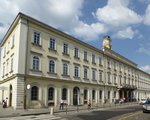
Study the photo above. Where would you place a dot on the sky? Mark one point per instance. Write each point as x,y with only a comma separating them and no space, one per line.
127,22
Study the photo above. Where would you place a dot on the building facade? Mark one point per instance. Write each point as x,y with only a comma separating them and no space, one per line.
40,65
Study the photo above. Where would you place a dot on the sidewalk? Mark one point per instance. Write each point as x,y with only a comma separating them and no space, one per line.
9,112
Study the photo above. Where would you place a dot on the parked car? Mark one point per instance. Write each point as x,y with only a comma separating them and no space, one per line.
142,101
146,106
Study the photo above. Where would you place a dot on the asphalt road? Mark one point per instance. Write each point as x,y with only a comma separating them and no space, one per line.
111,114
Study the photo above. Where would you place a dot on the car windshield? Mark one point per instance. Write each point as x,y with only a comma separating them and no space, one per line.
147,102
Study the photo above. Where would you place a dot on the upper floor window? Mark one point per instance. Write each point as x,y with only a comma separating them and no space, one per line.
12,41
51,66
108,63
93,74
100,60
120,79
115,79
65,69
85,73
65,48
93,58
76,71
76,52
101,75
108,76
36,63
11,64
85,56
52,44
120,67
36,38
114,65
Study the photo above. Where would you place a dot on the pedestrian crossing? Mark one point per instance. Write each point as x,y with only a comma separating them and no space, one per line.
34,117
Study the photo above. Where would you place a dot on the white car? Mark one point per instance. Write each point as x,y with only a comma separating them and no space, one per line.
142,101
146,106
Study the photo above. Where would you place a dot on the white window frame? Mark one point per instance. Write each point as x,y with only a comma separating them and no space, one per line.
39,37
52,39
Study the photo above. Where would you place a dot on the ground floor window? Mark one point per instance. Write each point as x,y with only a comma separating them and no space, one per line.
93,94
34,93
85,94
64,94
51,93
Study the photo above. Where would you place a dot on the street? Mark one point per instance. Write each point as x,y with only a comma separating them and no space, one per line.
126,113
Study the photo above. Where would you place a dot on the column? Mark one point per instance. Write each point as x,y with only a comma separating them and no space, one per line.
68,97
103,96
56,89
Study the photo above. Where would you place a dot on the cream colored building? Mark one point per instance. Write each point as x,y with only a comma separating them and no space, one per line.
40,65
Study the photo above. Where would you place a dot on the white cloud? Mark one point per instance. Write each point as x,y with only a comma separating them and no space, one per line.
116,13
146,68
144,49
146,19
90,32
125,33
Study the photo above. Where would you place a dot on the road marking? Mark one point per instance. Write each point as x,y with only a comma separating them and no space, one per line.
131,115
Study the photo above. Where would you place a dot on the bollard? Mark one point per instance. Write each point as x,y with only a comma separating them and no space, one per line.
51,110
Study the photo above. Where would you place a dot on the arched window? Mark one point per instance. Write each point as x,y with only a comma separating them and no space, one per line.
64,94
36,62
51,66
85,94
51,93
34,93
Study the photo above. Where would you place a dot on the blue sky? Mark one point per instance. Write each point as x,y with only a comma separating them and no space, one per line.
127,22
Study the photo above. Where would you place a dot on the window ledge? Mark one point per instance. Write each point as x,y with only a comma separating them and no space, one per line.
94,63
86,79
100,65
38,45
54,50
65,54
75,57
35,70
65,75
11,71
12,46
86,60
76,77
51,73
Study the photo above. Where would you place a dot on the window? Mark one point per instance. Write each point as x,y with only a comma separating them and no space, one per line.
34,93
114,94
76,71
36,38
115,81
51,93
124,80
108,94
51,66
12,41
85,55
115,66
36,63
120,80
65,69
85,94
100,61
64,94
52,44
3,69
101,75
85,73
120,67
76,52
108,75
65,49
93,74
93,58
100,94
93,94
11,67
108,64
